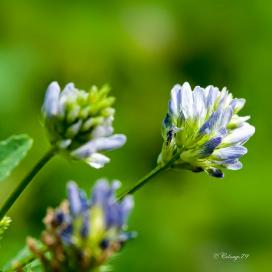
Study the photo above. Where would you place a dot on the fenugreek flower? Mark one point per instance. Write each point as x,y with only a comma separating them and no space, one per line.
82,233
203,130
79,122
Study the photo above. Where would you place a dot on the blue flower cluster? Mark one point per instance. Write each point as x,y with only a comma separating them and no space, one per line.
203,126
84,232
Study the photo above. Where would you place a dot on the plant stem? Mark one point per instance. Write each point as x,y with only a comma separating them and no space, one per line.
144,180
23,184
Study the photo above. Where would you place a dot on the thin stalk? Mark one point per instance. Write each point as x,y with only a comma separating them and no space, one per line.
25,182
144,180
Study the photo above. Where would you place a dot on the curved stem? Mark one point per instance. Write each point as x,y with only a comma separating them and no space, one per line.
23,184
144,180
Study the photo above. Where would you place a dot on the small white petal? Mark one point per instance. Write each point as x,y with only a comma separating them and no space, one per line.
175,102
97,160
229,99
211,95
199,103
69,88
103,130
187,100
229,164
51,102
109,143
225,117
234,166
223,98
230,153
84,151
237,104
69,93
237,121
99,144
239,135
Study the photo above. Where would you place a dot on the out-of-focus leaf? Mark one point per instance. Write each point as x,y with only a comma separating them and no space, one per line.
24,260
4,224
34,266
12,151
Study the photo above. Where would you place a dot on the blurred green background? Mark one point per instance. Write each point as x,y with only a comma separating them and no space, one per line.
142,49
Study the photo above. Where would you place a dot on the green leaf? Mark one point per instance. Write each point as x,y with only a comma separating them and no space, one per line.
12,151
24,260
23,256
34,266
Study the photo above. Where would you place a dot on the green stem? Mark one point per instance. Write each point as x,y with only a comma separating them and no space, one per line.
23,184
144,180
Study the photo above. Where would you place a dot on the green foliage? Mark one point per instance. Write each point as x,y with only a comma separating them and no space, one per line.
12,151
4,224
24,260
34,266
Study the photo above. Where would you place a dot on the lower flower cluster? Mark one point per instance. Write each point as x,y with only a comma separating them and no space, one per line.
83,233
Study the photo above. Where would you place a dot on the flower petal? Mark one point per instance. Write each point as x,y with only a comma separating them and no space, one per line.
187,100
239,135
74,198
211,95
181,103
199,103
97,160
236,165
224,99
69,89
175,102
99,144
126,206
237,104
237,121
109,143
225,117
51,102
103,130
208,148
230,153
211,123
99,193
231,164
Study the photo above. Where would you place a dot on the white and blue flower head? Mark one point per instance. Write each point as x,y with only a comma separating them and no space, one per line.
79,122
84,232
203,129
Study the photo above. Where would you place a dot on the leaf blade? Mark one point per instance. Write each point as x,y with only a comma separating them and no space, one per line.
12,151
